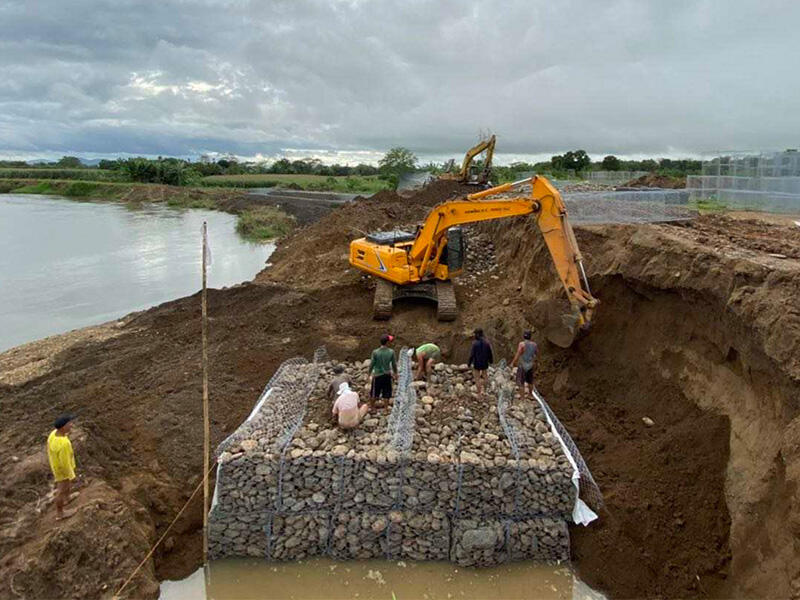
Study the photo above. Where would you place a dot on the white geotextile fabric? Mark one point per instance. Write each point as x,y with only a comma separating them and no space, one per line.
581,513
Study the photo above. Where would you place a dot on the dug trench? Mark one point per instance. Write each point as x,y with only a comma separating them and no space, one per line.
697,330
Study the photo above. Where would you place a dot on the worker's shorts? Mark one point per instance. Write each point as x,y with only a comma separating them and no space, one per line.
524,376
435,357
381,386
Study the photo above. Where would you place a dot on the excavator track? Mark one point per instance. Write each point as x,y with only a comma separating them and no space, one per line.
446,300
382,303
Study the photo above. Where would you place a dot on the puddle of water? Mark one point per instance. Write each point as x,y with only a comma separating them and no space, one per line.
247,579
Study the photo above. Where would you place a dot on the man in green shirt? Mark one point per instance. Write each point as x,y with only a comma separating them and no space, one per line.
426,356
382,369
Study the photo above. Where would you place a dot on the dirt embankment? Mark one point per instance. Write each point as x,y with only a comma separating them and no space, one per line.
698,330
654,180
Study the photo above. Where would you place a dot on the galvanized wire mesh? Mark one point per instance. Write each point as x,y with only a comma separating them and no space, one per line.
400,427
504,388
630,206
270,413
589,490
768,182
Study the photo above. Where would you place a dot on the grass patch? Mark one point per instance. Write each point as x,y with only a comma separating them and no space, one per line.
345,184
707,205
179,201
87,174
264,223
39,187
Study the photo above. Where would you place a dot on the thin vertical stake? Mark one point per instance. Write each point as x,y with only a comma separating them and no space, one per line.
206,429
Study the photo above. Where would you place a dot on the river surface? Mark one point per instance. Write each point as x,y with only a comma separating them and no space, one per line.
243,579
66,264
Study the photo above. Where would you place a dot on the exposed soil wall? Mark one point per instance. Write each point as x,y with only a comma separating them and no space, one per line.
697,330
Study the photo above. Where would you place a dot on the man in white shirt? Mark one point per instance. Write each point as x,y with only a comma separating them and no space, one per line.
346,408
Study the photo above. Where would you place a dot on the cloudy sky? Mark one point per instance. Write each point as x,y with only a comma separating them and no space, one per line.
348,79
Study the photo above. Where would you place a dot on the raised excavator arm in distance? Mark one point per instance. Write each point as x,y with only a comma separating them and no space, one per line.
463,175
422,264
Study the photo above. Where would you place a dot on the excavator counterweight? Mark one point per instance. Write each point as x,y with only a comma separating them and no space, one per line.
422,264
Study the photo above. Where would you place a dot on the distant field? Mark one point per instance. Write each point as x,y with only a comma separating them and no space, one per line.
353,183
88,174
270,177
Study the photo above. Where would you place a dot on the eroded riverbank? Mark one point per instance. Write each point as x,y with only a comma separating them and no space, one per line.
698,330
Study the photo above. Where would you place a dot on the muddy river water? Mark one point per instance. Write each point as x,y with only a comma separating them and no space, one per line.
67,264
242,579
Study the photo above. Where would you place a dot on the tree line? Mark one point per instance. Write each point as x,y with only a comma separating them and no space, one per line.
396,162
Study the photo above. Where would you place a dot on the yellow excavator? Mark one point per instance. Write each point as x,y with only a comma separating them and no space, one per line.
466,174
422,264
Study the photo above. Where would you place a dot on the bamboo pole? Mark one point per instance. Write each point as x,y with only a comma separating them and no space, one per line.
206,428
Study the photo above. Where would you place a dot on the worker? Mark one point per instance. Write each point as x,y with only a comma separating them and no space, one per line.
382,370
426,356
346,407
62,463
339,377
526,354
480,357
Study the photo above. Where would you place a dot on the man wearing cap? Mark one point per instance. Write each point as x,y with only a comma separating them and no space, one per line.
62,462
382,370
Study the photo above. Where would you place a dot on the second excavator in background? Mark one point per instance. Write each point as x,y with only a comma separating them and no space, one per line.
423,263
467,173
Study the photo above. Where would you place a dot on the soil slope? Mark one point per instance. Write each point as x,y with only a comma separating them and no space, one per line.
698,330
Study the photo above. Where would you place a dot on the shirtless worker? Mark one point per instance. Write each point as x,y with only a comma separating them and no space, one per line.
426,356
62,463
526,354
346,408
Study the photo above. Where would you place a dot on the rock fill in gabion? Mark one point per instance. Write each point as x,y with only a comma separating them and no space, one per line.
291,484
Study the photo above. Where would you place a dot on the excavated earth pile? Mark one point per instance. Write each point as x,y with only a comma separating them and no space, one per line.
697,331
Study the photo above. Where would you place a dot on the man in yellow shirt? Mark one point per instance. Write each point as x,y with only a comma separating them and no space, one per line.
62,462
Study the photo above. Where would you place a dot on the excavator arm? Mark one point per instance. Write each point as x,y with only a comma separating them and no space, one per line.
551,217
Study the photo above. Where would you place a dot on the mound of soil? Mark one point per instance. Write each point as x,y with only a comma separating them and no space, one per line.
654,180
698,330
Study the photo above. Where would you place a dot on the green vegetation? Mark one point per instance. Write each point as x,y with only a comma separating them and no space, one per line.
708,205
48,173
348,184
76,189
264,223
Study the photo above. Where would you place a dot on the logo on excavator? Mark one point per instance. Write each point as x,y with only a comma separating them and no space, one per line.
381,266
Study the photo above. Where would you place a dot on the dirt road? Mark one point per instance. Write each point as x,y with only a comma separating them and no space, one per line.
698,330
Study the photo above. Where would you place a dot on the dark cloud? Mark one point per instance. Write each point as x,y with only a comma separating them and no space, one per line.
182,78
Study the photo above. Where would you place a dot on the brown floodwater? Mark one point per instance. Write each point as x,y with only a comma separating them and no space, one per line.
248,579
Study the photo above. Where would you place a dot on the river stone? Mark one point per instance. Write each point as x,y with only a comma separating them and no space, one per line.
484,537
